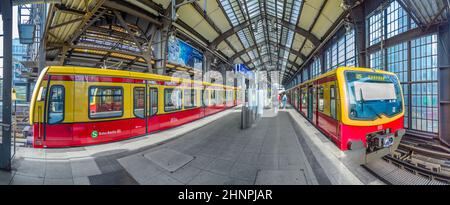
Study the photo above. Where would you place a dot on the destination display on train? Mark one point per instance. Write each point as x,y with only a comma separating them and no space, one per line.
356,76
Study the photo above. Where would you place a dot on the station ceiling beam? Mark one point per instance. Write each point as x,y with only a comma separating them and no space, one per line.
261,57
243,51
328,35
134,10
64,9
308,35
22,2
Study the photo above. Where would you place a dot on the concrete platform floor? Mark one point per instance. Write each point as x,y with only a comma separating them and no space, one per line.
282,148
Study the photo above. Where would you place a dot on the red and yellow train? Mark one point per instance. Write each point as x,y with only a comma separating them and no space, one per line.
75,106
359,109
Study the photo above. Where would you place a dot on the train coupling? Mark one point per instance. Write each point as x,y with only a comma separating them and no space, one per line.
378,146
382,141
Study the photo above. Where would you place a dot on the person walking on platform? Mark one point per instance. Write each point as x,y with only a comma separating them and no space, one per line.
279,99
284,99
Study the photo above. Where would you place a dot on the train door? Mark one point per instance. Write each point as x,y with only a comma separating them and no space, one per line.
310,102
315,106
333,108
204,104
152,119
55,132
139,124
38,124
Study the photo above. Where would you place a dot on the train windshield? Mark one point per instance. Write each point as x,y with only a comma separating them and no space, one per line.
371,95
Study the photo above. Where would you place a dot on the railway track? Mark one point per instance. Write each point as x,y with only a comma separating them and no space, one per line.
413,164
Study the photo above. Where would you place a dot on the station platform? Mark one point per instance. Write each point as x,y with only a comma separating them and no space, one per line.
281,148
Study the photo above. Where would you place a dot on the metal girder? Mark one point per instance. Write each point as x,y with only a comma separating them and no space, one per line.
250,29
111,33
411,15
243,51
66,23
87,18
308,35
229,22
152,5
133,10
328,35
104,49
125,26
64,9
280,32
22,2
403,37
314,22
205,16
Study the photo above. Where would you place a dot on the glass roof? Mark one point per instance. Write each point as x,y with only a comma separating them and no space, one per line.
266,30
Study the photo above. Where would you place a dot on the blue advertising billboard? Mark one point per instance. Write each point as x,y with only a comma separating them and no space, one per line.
181,53
241,68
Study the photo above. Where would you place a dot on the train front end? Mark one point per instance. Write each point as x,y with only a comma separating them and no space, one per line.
372,114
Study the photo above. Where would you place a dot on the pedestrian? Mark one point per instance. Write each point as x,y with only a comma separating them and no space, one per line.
284,99
279,100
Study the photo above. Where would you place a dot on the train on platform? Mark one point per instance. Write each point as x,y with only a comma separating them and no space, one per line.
77,106
360,110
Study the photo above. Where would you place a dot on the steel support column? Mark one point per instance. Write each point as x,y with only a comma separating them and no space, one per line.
358,18
208,58
161,47
5,148
444,82
43,43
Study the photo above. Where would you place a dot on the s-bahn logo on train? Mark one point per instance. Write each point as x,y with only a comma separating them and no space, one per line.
94,134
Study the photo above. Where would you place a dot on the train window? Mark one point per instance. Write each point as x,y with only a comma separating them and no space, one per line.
333,101
222,97
41,94
304,97
153,101
190,98
172,99
219,97
227,94
56,104
321,100
105,102
139,102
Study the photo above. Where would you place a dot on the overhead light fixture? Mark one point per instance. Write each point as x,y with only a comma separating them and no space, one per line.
348,27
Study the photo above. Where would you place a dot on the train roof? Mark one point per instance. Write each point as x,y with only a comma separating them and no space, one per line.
122,73
340,70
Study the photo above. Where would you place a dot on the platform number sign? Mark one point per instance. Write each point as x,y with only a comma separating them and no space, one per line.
94,134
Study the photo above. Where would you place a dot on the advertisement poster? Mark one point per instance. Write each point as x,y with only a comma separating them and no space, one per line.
183,54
